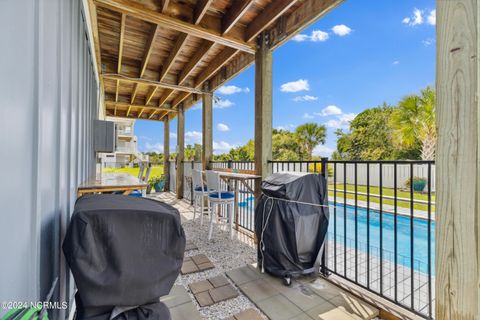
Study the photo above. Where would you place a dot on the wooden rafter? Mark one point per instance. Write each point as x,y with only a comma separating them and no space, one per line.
194,61
268,16
223,57
166,95
165,5
151,82
200,10
137,10
234,14
146,56
181,40
137,106
120,51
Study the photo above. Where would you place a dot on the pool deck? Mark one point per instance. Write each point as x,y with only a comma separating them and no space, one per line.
260,294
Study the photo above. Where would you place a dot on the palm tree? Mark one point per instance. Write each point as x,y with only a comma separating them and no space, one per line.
311,135
414,121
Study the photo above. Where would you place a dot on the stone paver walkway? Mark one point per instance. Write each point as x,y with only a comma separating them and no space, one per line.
189,246
306,298
197,263
212,290
249,314
180,305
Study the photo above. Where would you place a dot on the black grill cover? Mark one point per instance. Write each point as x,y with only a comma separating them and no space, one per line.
291,234
123,251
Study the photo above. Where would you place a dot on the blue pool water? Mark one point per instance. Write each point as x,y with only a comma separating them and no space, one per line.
420,235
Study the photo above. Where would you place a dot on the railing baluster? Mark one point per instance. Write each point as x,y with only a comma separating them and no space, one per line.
368,225
335,217
429,221
395,248
345,219
381,227
411,238
356,224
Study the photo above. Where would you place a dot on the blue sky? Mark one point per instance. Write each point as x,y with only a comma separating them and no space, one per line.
360,55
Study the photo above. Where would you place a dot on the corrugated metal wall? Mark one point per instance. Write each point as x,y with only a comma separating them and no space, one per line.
49,98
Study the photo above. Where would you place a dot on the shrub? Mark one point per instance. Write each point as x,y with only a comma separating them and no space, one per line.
419,183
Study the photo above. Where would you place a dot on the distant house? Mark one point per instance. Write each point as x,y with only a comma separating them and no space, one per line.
126,146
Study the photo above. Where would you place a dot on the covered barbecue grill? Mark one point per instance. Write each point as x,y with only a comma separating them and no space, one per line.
124,253
291,222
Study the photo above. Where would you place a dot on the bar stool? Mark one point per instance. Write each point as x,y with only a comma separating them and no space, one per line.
218,197
200,193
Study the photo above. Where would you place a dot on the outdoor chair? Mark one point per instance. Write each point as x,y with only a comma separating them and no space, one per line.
200,193
218,197
139,193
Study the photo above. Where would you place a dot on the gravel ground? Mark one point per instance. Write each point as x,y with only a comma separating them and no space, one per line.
225,254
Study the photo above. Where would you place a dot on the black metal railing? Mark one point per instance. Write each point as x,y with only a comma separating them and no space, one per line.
382,222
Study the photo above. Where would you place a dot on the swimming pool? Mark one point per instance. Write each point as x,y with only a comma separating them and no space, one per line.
420,235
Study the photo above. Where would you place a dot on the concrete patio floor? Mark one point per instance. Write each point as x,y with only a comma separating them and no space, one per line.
307,298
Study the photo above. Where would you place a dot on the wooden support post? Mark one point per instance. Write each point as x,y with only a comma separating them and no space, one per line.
180,150
166,152
207,134
263,109
457,161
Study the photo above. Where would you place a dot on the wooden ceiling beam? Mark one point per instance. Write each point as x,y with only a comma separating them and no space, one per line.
146,57
120,51
220,60
165,5
137,106
200,10
194,61
267,17
177,48
234,13
164,98
137,10
151,83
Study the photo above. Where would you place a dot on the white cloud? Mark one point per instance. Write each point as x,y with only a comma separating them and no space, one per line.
342,121
324,151
315,36
432,18
396,62
295,86
193,136
341,30
319,36
305,98
428,42
300,37
286,127
173,135
222,127
222,146
307,116
227,90
222,104
154,147
415,19
330,111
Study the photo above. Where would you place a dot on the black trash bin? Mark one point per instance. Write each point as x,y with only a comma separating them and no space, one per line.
291,223
124,253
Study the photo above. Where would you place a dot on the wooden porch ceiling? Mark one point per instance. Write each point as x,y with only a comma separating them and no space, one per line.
154,55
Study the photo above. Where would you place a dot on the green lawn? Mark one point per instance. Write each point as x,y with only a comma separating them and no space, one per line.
156,171
386,192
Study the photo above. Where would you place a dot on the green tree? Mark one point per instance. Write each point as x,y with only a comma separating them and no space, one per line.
311,135
413,122
286,146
